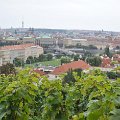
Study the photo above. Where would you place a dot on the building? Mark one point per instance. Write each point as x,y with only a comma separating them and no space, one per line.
45,41
69,41
80,42
73,65
66,67
59,41
48,41
23,51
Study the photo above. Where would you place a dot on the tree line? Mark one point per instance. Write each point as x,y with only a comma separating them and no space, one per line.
30,60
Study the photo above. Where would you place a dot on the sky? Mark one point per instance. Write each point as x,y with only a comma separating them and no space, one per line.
61,14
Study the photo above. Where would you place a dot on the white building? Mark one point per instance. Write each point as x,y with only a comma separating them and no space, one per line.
9,53
80,41
70,41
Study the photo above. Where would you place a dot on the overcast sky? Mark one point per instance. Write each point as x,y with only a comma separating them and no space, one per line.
65,14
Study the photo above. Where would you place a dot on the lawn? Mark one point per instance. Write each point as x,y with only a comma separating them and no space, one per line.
55,63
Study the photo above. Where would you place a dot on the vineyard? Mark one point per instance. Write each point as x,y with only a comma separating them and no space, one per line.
27,96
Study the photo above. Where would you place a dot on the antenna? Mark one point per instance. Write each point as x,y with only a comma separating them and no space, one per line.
22,24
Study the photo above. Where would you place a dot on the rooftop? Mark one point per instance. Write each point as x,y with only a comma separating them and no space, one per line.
41,73
16,47
73,65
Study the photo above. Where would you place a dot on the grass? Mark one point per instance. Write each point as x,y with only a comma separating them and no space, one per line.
54,62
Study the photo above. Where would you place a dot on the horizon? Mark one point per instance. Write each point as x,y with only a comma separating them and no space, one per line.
59,29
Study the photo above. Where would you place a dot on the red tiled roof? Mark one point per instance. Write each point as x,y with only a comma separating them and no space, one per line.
16,47
106,61
41,73
73,65
116,57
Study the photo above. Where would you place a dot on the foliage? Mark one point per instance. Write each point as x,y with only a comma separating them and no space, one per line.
69,77
36,59
117,47
7,69
112,75
86,55
49,57
107,52
82,46
94,61
18,62
17,94
58,56
42,58
92,47
65,60
5,43
76,57
27,96
30,60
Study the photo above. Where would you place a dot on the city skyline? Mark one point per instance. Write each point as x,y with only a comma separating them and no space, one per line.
61,14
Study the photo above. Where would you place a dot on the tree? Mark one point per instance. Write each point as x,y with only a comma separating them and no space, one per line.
76,57
17,94
58,56
69,77
30,60
49,56
92,47
65,60
18,62
7,69
112,75
42,58
78,71
94,61
36,59
107,52
78,45
86,55
117,47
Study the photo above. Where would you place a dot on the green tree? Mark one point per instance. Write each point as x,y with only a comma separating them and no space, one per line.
49,56
17,95
92,47
76,57
7,69
30,60
65,60
117,47
18,62
42,58
69,77
36,59
112,75
107,52
94,61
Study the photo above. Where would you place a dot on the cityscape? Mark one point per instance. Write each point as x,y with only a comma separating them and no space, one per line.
56,42
66,66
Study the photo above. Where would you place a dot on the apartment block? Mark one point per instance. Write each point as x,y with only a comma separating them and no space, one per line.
23,51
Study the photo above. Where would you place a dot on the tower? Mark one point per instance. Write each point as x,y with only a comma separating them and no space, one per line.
22,24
